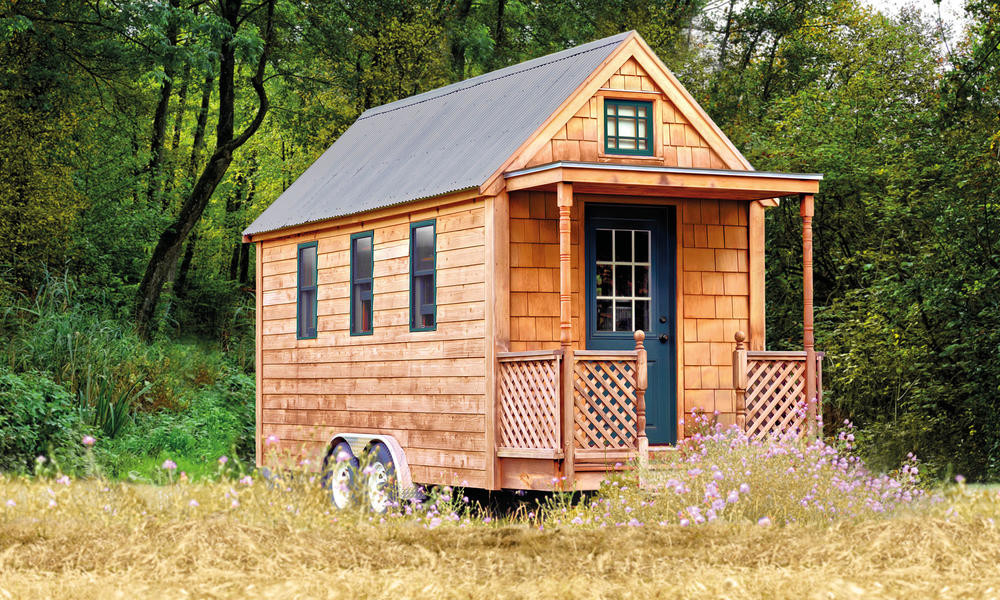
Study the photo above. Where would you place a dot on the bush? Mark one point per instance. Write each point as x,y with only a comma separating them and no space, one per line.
38,417
215,420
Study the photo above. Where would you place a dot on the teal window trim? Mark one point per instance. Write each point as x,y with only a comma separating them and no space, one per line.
611,139
311,331
431,307
359,281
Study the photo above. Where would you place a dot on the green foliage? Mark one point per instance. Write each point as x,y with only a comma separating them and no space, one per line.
215,420
38,418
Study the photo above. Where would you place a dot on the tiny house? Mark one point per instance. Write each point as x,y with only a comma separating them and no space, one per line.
524,280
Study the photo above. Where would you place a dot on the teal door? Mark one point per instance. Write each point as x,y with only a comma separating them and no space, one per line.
631,280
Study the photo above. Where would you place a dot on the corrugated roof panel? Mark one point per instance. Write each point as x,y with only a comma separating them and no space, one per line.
448,139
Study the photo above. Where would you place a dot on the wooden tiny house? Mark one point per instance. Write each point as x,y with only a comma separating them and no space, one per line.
462,274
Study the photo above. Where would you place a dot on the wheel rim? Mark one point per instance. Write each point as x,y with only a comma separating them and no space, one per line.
378,481
340,485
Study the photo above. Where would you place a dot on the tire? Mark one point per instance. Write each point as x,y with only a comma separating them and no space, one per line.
380,487
340,475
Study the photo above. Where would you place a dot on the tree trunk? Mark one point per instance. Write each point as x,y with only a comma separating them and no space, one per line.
172,239
160,116
180,286
202,124
170,182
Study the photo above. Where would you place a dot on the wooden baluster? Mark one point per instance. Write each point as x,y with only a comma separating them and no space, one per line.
740,380
807,210
641,382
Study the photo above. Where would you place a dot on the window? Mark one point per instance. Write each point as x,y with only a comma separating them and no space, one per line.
305,314
622,279
627,128
423,310
361,283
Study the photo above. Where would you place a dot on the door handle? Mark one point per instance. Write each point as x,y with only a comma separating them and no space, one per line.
663,338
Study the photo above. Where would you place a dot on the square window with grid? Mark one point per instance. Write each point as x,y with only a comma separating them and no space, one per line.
627,127
622,261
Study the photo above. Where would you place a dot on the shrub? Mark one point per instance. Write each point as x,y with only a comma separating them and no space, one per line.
38,417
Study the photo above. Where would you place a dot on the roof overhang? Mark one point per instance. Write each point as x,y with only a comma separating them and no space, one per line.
674,182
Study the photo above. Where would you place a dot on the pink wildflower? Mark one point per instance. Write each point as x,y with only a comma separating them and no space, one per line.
223,459
88,440
168,465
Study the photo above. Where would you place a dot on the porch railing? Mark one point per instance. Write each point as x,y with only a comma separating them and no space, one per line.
604,403
529,397
607,391
771,391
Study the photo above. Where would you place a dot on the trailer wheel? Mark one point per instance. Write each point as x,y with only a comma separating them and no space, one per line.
380,483
340,474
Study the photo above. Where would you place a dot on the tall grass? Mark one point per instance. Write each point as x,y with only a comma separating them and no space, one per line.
238,535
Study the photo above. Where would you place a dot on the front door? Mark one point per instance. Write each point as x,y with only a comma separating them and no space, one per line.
631,281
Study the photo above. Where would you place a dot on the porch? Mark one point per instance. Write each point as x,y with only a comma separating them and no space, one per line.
586,392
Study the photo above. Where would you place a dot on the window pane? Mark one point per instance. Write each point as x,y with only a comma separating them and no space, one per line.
423,243
642,315
307,313
626,111
623,280
611,126
626,127
641,144
362,308
623,315
307,266
626,144
423,301
642,129
602,279
641,111
623,246
362,259
642,281
603,245
604,322
641,246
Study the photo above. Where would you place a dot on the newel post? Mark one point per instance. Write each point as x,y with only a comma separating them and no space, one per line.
564,201
641,382
740,379
807,209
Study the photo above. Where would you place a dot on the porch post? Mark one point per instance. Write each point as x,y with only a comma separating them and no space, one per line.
564,200
807,210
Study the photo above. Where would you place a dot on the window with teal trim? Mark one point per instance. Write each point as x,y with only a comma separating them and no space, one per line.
423,309
627,127
362,265
305,313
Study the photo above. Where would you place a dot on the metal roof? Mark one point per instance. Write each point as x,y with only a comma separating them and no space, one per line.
449,139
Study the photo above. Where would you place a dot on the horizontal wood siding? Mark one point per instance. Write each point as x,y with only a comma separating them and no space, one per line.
425,388
716,303
677,142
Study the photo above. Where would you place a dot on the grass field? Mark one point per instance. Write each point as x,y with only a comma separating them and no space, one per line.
95,540
723,517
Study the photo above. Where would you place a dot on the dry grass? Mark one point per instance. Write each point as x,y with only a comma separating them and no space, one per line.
103,540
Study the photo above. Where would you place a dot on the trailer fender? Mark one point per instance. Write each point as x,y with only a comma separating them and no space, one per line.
361,443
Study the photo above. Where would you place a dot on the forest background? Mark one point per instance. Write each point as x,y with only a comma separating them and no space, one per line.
139,137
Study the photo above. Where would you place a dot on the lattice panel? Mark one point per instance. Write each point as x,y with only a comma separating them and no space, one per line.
529,404
604,404
775,396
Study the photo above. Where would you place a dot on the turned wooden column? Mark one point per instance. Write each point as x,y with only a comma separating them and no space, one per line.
564,200
641,382
740,380
807,210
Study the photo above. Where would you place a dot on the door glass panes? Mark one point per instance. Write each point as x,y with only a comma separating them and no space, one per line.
621,279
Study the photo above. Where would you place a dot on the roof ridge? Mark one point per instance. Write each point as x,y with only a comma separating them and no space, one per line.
613,40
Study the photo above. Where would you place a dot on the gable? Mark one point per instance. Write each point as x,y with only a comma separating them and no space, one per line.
676,143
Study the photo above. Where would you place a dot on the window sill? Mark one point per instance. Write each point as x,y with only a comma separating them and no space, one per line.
654,160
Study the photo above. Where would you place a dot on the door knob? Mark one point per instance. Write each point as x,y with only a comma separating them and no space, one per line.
663,338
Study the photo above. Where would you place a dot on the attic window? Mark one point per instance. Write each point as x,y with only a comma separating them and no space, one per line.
627,127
